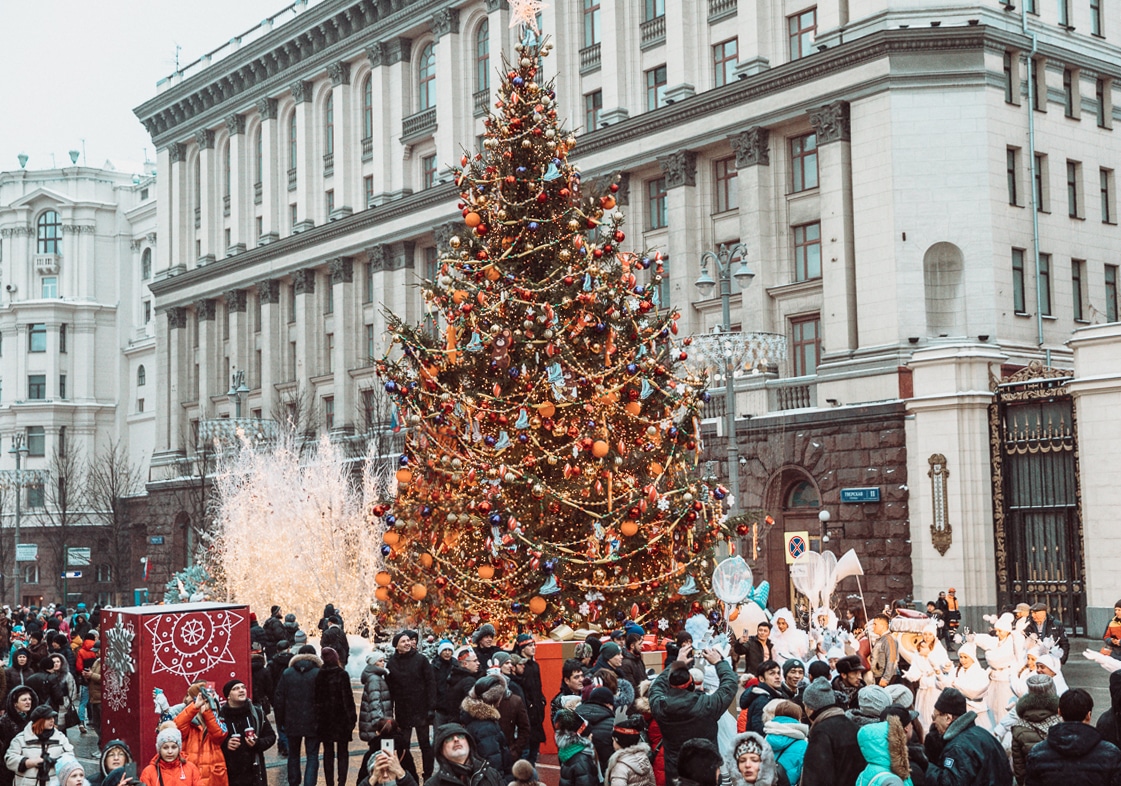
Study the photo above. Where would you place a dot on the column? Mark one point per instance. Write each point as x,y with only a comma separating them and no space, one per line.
684,210
274,343
240,214
684,69
454,106
838,257
348,147
162,254
241,354
758,227
349,337
273,175
399,92
172,369
307,168
618,29
209,352
307,344
210,213
753,25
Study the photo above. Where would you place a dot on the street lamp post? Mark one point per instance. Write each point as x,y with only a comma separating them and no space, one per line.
19,450
722,261
238,391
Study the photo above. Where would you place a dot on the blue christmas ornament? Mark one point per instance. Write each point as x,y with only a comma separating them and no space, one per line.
403,461
532,226
496,519
386,551
390,520
390,386
518,81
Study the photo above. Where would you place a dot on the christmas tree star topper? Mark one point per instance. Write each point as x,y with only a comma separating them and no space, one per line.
525,12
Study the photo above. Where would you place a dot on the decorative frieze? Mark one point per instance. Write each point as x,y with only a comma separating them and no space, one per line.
268,291
78,229
16,231
205,309
376,257
151,237
235,124
831,123
304,281
301,90
235,301
177,152
680,168
266,108
341,270
445,22
375,53
752,147
176,317
135,245
204,138
339,73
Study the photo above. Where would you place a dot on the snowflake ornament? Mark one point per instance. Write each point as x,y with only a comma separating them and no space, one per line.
663,624
584,609
118,653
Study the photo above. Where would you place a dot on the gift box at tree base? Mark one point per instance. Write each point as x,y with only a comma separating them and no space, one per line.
170,648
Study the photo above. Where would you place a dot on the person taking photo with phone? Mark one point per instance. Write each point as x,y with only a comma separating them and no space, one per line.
248,735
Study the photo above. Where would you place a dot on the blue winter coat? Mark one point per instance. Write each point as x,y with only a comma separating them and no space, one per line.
874,744
788,739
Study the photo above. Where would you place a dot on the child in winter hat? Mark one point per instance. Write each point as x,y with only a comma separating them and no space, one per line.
524,774
70,772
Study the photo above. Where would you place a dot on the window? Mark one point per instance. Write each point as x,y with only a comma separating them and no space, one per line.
31,570
426,83
593,106
293,216
329,125
259,162
147,311
803,162
807,252
1064,12
36,441
368,189
62,386
259,227
1104,107
141,377
1071,100
1029,6
329,298
292,302
1019,290
292,159
1040,192
482,57
805,343
1045,284
226,170
431,323
36,387
1105,186
725,58
1111,293
1011,82
724,177
1012,157
330,353
371,345
369,409
62,440
62,337
48,287
1077,277
801,28
37,337
369,283
428,171
1096,17
291,359
591,23
104,573
329,201
329,412
1074,181
48,232
1039,84
198,191
657,212
656,88
654,9
146,264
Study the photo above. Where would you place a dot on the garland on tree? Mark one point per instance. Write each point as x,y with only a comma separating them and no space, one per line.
550,473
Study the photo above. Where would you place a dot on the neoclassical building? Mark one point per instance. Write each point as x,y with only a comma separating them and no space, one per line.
77,369
925,193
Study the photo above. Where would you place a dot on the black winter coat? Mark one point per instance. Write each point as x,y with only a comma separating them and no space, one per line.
262,683
535,701
440,670
684,714
1109,722
277,665
482,720
632,669
970,756
334,638
295,697
10,725
1053,629
274,632
1074,753
459,684
833,756
335,714
246,765
581,768
754,701
600,722
413,688
477,772
376,702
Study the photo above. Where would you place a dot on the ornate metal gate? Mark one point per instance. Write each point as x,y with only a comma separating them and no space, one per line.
1036,495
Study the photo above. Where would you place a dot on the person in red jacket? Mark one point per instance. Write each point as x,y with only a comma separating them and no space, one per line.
168,765
203,736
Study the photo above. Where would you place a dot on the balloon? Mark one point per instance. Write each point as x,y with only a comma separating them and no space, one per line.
732,580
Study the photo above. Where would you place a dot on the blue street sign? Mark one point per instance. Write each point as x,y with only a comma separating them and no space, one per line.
72,574
156,540
869,494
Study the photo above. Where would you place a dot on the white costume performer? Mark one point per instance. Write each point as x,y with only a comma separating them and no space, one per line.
826,635
1000,655
925,676
972,681
1055,671
789,643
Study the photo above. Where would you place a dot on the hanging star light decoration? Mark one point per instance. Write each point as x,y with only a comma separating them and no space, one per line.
525,12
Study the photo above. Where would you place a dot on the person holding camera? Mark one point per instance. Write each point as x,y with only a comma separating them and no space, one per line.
203,735
35,751
248,735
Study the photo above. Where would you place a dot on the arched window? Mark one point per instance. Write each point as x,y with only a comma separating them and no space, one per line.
146,264
259,168
427,80
802,495
141,376
368,108
482,57
292,140
329,125
48,230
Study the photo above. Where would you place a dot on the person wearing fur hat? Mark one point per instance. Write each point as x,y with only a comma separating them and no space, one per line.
376,700
787,735
335,715
459,763
833,755
484,641
577,755
849,679
248,735
884,746
412,684
513,716
480,716
115,754
295,713
39,746
169,765
529,677
18,706
1036,712
960,752
524,774
598,710
629,764
751,760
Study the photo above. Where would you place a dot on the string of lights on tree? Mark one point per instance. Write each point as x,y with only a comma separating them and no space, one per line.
550,470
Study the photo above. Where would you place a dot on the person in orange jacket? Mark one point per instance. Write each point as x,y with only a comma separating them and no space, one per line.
203,735
168,765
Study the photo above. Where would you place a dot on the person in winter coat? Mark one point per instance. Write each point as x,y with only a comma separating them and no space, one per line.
479,715
412,685
572,685
335,714
1109,722
884,747
577,755
274,632
17,714
871,701
257,634
441,667
248,735
295,713
683,713
610,657
916,755
653,734
1044,626
787,736
114,755
202,735
960,752
47,683
750,760
335,638
169,765
755,649
458,763
630,764
599,713
376,701
1074,752
766,690
1036,714
291,628
528,675
513,716
330,611
460,681
382,769
833,756
21,668
633,668
38,746
484,641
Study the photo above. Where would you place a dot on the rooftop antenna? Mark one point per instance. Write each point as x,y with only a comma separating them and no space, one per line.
178,49
84,159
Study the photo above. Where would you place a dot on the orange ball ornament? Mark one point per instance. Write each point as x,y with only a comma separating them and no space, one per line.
486,572
628,528
472,220
382,594
383,578
634,408
419,592
546,410
600,448
655,469
426,560
404,476
391,538
538,604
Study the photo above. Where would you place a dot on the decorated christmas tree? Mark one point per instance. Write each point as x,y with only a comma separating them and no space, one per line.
550,473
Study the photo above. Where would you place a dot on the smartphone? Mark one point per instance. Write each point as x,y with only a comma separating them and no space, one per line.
387,746
130,771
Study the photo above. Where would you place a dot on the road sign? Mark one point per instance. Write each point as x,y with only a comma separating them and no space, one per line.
72,574
797,544
155,540
27,552
868,494
77,557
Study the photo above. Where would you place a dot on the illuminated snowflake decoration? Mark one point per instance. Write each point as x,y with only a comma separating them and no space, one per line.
663,623
191,645
118,665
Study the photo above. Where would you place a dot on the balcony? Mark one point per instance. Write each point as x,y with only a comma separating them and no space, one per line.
419,126
791,393
328,164
226,205
46,264
589,59
762,394
482,98
368,149
720,9
292,179
653,32
257,190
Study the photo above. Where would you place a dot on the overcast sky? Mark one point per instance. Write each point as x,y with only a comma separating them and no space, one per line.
73,70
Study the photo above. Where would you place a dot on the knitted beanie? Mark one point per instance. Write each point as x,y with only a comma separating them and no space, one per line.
819,694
